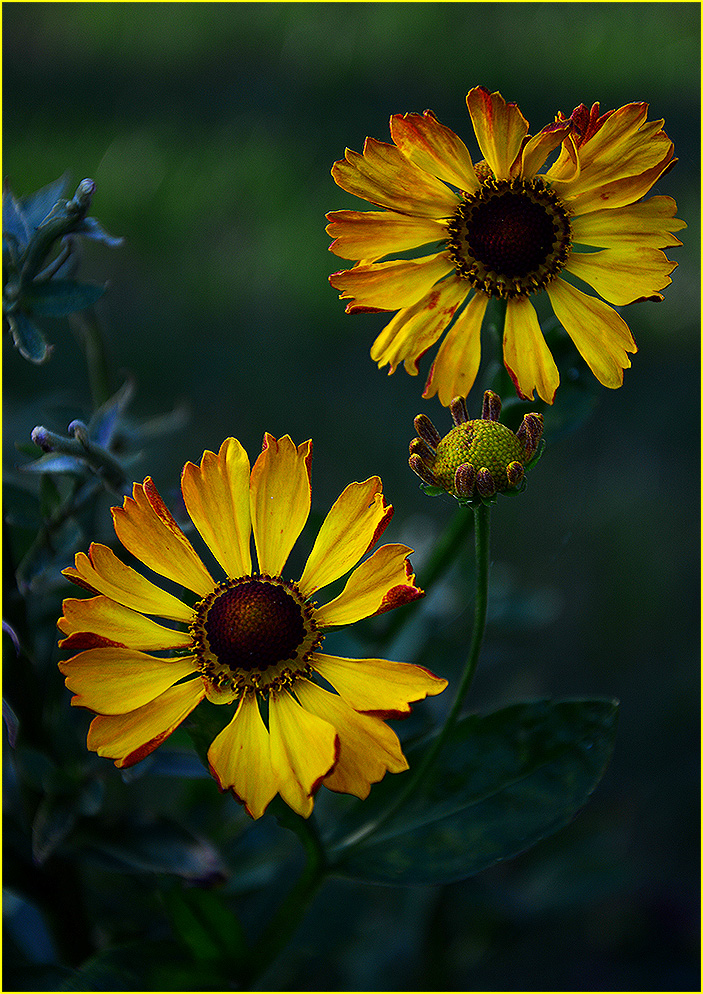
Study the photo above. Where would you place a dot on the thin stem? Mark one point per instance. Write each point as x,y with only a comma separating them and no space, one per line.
87,328
481,546
444,552
291,911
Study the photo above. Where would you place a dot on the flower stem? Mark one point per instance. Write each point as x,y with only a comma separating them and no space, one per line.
482,519
89,331
281,927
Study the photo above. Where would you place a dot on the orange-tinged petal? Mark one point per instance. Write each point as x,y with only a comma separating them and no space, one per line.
370,235
647,223
384,176
525,353
598,332
353,526
368,748
101,572
537,148
280,499
386,286
93,621
380,583
304,749
240,758
378,686
624,274
434,148
454,370
415,329
113,680
500,129
148,530
128,738
216,496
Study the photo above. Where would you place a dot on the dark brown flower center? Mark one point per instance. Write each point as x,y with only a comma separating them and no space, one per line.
254,632
254,625
511,238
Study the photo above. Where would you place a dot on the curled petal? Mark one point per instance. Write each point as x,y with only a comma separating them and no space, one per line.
598,332
93,621
435,148
454,370
378,686
113,680
149,531
353,526
370,235
625,274
500,129
304,750
526,354
384,176
240,758
101,572
380,583
129,738
387,286
368,748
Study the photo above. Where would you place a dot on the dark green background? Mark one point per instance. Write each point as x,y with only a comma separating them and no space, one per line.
210,130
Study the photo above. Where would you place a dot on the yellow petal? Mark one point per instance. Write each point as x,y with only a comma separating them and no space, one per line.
101,572
368,748
93,621
537,148
240,758
353,526
415,329
386,286
280,499
500,129
380,583
384,176
304,749
598,332
647,223
370,235
127,738
624,274
434,148
149,531
216,496
454,370
378,686
112,680
525,352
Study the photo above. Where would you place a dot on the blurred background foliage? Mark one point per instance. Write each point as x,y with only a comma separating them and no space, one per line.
210,130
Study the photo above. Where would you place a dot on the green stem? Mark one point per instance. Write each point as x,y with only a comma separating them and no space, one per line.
445,550
88,330
281,928
482,518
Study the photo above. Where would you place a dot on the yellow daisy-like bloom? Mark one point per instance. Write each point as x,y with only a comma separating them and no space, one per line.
508,231
252,640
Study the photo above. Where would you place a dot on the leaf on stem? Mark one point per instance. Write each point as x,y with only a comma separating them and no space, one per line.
501,782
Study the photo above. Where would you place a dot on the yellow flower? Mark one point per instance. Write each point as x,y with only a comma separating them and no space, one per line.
254,639
508,231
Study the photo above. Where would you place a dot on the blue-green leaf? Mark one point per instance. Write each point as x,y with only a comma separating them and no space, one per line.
27,338
56,298
501,782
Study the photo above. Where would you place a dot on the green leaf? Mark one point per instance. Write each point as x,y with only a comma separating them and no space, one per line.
56,298
27,338
205,924
501,782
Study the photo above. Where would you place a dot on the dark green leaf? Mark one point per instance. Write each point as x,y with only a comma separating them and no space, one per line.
14,223
501,782
55,818
205,924
56,298
91,228
27,338
36,206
